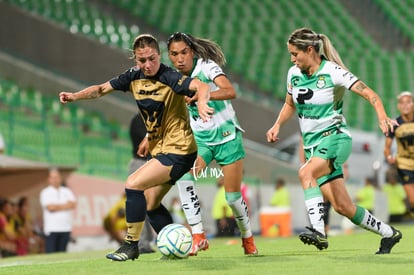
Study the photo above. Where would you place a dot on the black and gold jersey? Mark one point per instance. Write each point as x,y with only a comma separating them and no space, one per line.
162,106
404,135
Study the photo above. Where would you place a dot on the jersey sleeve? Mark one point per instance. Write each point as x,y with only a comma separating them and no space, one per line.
212,70
342,77
123,81
178,82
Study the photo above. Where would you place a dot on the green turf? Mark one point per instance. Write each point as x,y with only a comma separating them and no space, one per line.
347,254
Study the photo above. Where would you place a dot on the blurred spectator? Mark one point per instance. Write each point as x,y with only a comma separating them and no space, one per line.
26,228
365,197
20,237
114,222
281,195
8,245
57,202
222,213
396,197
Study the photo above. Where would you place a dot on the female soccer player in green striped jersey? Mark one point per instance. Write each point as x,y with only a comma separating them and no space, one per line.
316,84
220,138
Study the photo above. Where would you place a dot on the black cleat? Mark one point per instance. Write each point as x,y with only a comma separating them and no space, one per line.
388,243
127,251
315,238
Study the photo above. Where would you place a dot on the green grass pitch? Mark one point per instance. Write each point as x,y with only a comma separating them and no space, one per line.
347,254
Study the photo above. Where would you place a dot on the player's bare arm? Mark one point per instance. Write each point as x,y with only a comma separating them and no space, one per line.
385,123
226,90
90,92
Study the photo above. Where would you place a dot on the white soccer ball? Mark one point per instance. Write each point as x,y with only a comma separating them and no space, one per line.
174,241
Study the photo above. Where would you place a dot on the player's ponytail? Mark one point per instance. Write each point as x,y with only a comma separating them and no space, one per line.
329,51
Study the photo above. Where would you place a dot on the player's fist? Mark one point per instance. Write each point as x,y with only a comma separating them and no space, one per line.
66,97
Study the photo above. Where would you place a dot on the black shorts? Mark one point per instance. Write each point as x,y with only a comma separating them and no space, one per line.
180,164
406,176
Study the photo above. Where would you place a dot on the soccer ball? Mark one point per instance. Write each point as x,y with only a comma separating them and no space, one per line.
174,241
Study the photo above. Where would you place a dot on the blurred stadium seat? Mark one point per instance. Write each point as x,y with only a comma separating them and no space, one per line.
37,128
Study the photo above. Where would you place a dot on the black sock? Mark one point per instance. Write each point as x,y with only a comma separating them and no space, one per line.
135,205
159,218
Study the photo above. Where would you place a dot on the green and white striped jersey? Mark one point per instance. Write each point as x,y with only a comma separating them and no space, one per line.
319,99
223,124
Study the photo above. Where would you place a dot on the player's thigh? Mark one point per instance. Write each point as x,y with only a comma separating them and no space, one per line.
151,174
335,149
233,176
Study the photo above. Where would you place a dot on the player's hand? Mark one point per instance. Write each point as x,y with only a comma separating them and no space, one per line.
391,159
272,134
387,125
205,111
66,97
143,148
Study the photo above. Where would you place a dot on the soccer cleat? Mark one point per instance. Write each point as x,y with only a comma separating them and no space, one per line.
200,242
315,238
127,251
388,243
249,246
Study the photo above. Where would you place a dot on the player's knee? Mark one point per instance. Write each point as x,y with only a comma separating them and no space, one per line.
304,175
132,183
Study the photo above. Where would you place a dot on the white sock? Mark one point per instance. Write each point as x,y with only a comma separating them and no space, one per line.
371,223
240,213
315,213
190,205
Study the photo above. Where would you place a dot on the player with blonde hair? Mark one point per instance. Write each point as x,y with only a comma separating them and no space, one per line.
316,84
